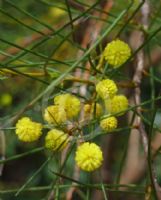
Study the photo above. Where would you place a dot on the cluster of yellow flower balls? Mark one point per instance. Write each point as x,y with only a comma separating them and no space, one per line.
66,107
115,104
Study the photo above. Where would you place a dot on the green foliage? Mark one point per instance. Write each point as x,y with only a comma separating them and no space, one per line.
42,45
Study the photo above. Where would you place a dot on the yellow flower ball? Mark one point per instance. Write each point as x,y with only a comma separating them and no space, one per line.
118,104
109,124
89,156
56,140
106,88
91,109
70,103
117,53
6,99
55,114
56,12
27,130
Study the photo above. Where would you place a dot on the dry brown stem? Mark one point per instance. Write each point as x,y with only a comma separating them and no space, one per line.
136,164
2,148
90,35
133,156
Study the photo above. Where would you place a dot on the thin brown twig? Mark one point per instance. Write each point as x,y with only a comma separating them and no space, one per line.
90,35
76,5
136,98
26,41
134,140
140,162
2,149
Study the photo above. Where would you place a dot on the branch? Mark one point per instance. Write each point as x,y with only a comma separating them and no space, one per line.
90,35
135,169
2,149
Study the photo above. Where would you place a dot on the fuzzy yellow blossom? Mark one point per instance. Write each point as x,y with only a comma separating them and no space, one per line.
56,13
117,53
92,109
55,114
108,124
27,130
117,104
89,156
56,140
106,88
70,103
5,99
